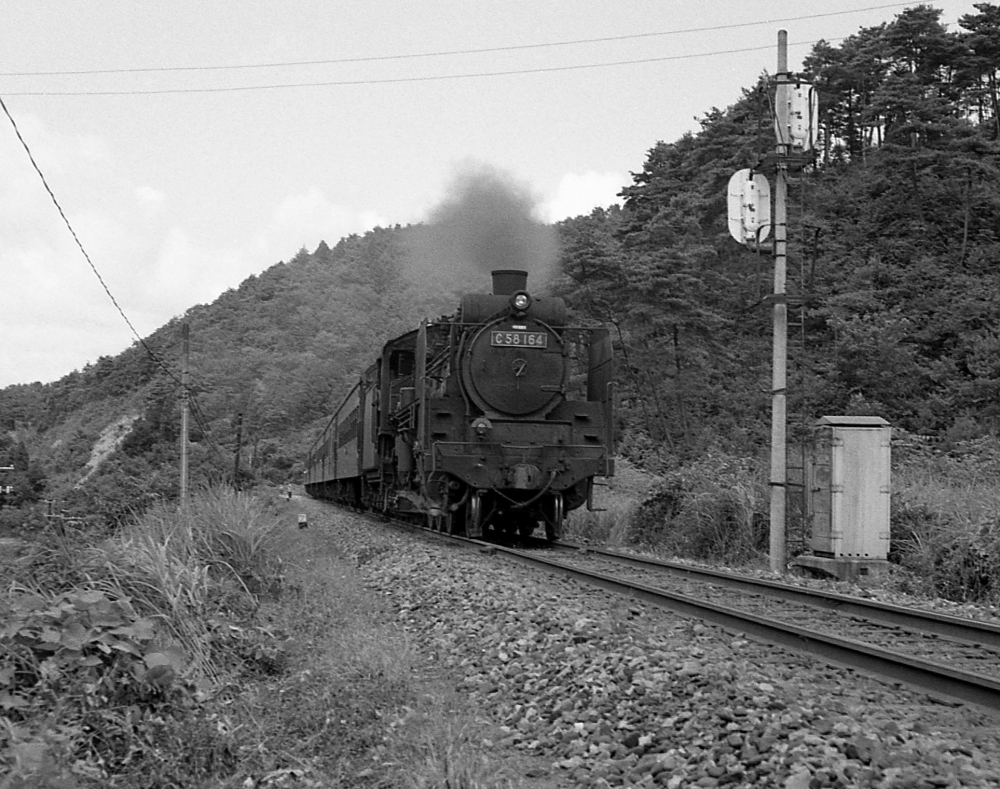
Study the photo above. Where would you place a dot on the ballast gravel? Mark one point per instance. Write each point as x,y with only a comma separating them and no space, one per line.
612,692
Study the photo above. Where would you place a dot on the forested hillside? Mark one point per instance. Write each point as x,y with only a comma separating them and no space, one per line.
893,244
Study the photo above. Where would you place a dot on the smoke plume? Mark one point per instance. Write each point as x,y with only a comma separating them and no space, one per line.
486,222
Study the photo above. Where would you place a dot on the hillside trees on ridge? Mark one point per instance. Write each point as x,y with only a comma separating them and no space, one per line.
893,239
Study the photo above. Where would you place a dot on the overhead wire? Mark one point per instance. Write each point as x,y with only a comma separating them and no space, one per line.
410,56
395,80
79,243
195,409
507,48
449,53
202,421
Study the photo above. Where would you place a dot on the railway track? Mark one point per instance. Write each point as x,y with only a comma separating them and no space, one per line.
952,659
892,616
949,658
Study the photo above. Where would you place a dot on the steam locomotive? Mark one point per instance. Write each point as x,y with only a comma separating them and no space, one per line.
494,419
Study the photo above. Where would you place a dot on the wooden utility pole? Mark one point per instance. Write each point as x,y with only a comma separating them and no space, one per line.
185,408
779,356
236,454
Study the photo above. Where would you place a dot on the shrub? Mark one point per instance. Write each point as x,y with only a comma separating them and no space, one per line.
15,521
946,517
710,509
84,684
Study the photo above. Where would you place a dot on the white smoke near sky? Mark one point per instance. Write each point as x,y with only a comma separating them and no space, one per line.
487,221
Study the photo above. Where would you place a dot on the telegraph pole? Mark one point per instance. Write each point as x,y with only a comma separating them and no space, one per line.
185,407
779,356
236,454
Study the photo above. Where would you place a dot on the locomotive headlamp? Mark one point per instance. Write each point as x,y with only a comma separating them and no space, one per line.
520,301
482,426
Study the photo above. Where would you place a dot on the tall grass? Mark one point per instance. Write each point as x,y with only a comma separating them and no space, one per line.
218,554
946,520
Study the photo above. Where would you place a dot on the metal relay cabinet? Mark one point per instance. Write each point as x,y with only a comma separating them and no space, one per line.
849,488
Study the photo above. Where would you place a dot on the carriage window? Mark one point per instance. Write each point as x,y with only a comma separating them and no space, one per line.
401,363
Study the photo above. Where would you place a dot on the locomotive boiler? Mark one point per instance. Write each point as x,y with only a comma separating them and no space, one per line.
496,418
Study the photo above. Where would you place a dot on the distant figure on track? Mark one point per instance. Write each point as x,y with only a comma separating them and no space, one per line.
288,492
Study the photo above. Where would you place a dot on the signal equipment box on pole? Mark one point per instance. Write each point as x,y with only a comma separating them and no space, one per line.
848,496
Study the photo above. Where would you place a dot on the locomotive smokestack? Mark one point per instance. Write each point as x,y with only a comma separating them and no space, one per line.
509,280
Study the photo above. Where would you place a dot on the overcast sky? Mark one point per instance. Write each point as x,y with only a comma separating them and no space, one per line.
221,137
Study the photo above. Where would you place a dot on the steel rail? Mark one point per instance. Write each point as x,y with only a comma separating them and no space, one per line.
953,627
926,675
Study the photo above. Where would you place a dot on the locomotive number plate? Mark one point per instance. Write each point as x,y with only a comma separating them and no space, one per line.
520,339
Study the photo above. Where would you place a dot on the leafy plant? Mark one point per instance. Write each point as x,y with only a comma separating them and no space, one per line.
89,662
108,650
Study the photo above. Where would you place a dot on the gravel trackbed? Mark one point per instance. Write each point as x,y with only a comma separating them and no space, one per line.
592,690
